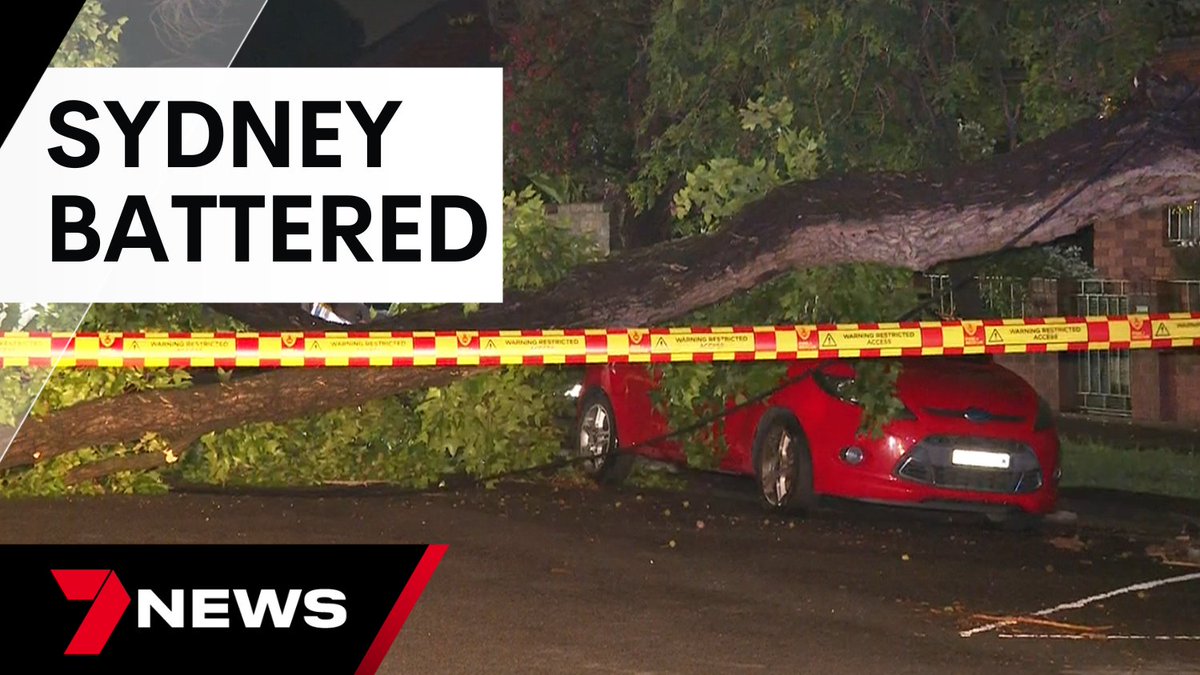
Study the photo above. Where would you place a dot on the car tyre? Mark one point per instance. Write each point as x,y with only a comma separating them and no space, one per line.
783,464
596,442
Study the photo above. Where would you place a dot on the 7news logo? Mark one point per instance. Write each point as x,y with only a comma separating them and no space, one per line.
209,607
130,609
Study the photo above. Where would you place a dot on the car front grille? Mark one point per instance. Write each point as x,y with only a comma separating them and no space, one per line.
929,463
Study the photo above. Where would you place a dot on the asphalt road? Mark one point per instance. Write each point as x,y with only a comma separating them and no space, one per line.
572,579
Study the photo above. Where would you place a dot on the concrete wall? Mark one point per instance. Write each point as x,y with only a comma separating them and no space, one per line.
591,220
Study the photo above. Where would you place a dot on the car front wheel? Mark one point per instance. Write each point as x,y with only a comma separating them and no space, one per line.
782,464
597,445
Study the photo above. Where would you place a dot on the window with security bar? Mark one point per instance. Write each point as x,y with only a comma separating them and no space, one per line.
1183,225
1103,378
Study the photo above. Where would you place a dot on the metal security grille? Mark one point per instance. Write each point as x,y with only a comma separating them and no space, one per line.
1002,297
1184,295
1183,225
942,291
1103,377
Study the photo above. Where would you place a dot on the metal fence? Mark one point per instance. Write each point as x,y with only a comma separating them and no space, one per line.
999,297
1181,295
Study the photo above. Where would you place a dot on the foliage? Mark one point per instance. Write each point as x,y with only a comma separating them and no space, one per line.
718,189
1052,261
1007,281
890,85
567,98
732,98
147,317
364,443
496,421
647,475
689,392
722,186
40,391
537,250
559,189
51,478
507,420
91,41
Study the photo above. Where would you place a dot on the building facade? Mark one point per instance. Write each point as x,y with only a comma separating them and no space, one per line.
1144,264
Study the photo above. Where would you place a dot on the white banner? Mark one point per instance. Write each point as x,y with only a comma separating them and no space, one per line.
255,185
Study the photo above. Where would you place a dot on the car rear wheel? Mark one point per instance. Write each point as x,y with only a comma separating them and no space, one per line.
782,464
596,441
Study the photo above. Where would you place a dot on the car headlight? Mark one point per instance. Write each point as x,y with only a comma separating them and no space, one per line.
841,387
837,386
1045,416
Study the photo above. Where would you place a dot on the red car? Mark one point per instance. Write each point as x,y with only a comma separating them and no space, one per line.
973,435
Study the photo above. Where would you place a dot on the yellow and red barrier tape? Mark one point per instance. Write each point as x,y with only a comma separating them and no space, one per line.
539,347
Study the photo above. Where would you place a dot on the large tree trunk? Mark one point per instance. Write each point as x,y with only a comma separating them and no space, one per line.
183,415
913,220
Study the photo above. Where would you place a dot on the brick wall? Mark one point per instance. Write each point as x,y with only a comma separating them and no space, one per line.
1133,247
1045,372
1181,375
1146,391
1162,383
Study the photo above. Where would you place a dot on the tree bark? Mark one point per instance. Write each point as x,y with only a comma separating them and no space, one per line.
912,220
274,396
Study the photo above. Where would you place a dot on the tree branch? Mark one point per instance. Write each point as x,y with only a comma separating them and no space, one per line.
914,220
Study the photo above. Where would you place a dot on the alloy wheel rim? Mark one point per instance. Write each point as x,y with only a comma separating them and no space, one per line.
595,434
776,469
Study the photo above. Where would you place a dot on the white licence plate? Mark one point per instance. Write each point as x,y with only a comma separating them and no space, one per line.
988,460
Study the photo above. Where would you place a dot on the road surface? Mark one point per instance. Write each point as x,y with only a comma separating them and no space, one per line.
567,578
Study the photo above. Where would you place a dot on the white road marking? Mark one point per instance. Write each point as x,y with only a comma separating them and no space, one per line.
1144,586
1078,636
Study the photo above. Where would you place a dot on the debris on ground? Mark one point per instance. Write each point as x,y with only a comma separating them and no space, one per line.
1045,623
1062,517
1182,551
1073,543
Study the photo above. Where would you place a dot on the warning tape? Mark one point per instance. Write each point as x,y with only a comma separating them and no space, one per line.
580,346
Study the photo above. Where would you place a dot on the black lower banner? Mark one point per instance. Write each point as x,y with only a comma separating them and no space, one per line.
206,609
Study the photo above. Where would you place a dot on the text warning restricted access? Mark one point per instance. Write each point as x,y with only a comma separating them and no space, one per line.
256,185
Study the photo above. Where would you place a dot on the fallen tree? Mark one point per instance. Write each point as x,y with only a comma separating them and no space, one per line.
180,416
913,220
